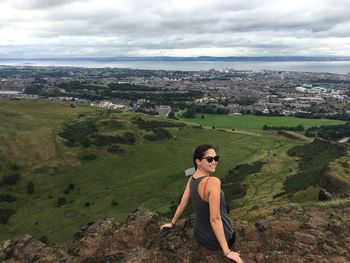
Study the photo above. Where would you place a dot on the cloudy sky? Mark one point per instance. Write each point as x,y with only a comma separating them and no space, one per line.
53,28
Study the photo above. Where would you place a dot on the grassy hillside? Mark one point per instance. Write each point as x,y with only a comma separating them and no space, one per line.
69,191
78,164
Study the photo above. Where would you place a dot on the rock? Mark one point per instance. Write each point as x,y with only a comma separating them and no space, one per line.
260,258
323,195
283,210
5,249
305,238
279,238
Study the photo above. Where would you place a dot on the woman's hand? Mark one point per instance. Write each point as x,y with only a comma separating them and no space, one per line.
235,257
167,225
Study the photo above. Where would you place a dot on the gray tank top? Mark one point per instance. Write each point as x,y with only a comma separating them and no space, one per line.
203,231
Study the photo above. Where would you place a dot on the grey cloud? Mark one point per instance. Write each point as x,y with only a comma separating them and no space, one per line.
169,25
41,4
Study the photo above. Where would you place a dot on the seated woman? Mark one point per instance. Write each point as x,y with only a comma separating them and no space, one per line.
212,226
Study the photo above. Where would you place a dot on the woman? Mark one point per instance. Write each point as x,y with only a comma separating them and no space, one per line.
212,227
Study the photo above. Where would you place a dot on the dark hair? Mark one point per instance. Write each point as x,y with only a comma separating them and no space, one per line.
200,151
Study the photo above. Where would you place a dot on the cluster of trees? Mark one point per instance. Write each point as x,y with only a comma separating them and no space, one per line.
129,87
7,198
13,175
88,157
158,134
344,116
101,140
142,124
69,188
286,128
33,90
329,132
85,133
74,86
60,201
5,214
30,187
192,110
78,133
115,149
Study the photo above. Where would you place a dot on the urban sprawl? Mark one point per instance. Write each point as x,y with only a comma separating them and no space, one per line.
277,93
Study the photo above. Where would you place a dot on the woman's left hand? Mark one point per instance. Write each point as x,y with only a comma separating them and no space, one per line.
167,225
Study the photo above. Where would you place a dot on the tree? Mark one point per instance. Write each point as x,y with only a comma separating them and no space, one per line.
14,167
171,115
30,188
11,179
5,215
190,112
61,201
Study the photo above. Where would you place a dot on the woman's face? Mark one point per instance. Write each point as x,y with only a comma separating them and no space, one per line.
205,165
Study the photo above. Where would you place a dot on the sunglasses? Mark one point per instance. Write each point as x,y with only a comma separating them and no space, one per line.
210,159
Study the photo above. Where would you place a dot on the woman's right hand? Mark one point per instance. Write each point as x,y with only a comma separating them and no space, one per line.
167,225
235,257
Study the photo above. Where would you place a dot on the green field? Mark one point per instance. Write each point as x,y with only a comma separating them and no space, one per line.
252,122
146,174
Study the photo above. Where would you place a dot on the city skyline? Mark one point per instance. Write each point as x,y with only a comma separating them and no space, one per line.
76,28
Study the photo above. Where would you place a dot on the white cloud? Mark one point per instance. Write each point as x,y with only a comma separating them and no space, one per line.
172,27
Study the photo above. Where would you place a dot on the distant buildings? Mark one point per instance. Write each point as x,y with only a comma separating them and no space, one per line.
109,105
310,89
163,110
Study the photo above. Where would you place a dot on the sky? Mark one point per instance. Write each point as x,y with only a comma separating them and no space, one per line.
93,28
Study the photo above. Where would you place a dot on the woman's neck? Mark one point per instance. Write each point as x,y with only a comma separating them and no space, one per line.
199,173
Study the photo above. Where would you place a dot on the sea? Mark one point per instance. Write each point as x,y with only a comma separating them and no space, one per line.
337,67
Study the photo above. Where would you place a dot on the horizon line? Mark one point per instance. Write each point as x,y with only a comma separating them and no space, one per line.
192,58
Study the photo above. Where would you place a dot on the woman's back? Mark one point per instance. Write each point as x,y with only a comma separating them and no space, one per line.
202,227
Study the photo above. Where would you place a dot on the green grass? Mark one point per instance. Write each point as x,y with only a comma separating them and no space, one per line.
251,122
18,115
147,174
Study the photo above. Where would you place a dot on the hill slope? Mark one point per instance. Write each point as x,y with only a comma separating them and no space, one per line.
63,166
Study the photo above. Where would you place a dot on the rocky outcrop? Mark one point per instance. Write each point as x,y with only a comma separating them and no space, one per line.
290,235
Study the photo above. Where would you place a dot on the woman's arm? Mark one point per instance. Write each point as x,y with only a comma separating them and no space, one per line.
215,212
180,208
214,189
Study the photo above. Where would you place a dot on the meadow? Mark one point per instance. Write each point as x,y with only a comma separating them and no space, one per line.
252,122
69,192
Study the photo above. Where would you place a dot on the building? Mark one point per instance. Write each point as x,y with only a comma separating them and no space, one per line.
163,110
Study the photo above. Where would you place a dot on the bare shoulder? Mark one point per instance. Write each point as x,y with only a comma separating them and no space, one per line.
215,182
189,180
